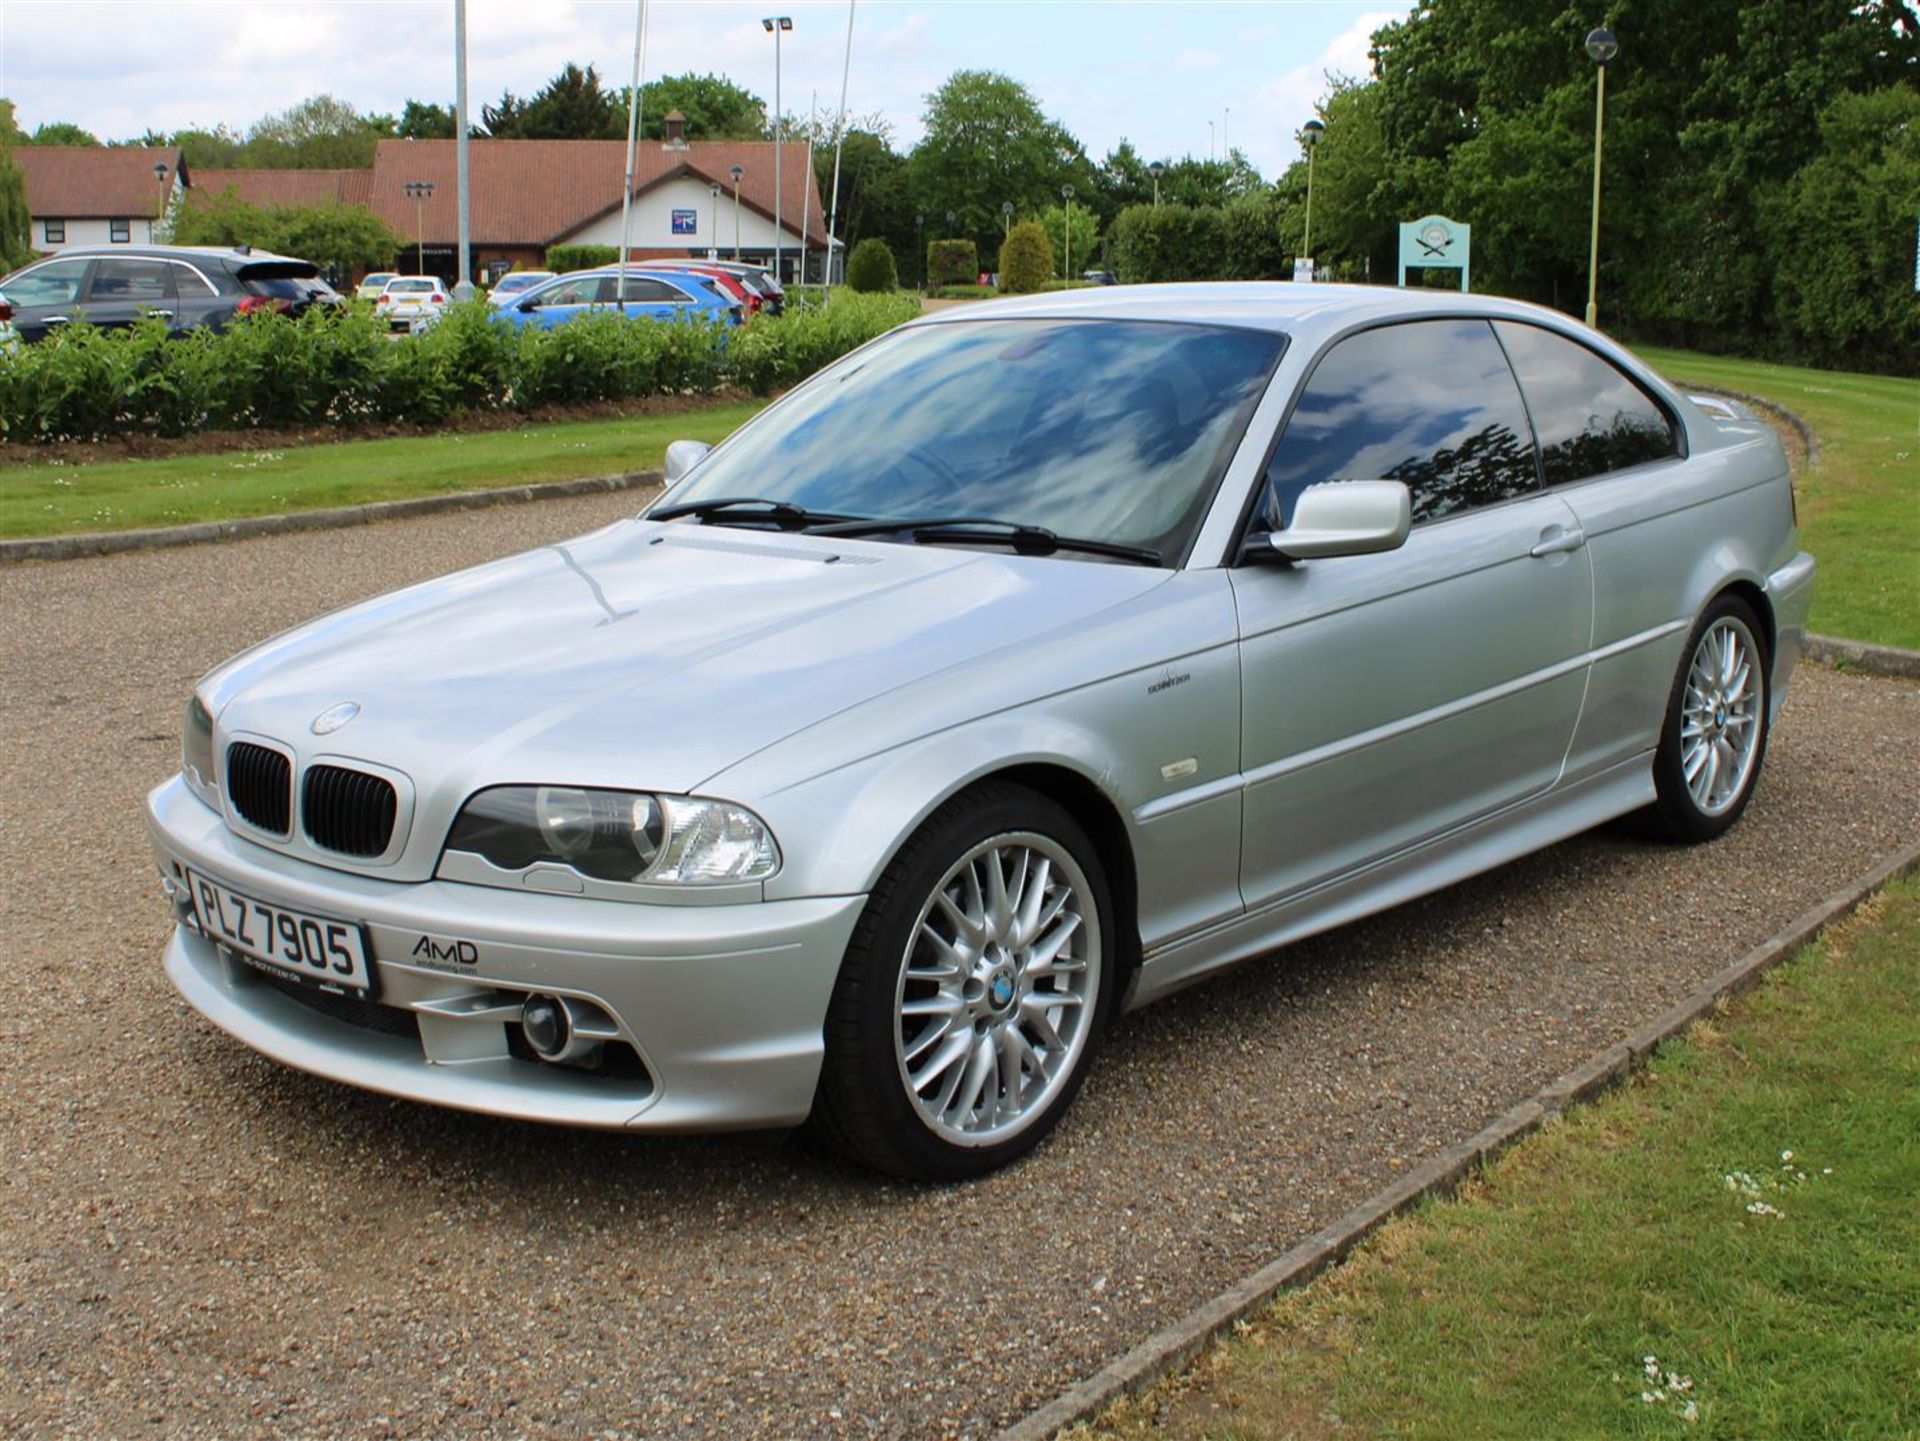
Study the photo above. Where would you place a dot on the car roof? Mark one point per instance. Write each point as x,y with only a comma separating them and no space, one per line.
180,252
1285,306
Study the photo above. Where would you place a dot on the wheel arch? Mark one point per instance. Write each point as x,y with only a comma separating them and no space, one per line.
1756,598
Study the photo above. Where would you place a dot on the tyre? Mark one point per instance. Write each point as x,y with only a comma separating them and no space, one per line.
973,992
1715,733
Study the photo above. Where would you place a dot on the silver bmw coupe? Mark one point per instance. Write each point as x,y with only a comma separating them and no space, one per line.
1035,660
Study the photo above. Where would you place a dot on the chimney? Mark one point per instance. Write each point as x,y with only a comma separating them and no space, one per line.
676,125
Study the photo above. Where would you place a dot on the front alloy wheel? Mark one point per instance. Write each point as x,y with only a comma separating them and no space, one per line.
973,991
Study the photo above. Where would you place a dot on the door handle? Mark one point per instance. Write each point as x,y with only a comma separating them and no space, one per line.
57,319
1560,542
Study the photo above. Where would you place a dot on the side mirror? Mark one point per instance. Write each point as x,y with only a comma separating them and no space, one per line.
528,306
683,456
1348,517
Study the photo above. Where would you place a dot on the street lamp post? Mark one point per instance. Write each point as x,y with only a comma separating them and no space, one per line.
920,246
738,173
713,221
776,26
419,192
1156,170
1066,235
159,173
1006,218
1310,134
1601,47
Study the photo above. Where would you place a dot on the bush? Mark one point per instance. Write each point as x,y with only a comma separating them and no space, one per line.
1026,259
562,258
340,368
952,262
870,268
1173,242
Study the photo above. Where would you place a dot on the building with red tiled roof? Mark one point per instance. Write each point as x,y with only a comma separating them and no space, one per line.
101,194
287,187
531,194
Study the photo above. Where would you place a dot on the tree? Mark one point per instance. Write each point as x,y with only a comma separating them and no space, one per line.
875,189
62,132
16,227
716,108
220,148
571,106
986,143
321,132
337,237
423,120
1084,234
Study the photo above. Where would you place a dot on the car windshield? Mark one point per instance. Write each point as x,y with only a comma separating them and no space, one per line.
1103,429
410,287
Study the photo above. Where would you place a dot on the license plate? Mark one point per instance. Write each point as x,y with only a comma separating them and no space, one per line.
315,948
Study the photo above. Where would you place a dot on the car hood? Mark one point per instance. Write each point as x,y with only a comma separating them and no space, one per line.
645,655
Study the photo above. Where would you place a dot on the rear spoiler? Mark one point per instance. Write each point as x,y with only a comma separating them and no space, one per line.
278,270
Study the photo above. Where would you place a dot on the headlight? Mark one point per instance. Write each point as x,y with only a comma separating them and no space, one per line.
617,835
196,752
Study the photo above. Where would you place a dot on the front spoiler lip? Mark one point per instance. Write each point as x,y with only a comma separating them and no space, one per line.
724,1004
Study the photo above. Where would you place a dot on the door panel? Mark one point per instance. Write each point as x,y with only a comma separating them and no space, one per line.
1389,698
123,289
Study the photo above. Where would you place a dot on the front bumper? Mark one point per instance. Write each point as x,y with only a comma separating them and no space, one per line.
721,1005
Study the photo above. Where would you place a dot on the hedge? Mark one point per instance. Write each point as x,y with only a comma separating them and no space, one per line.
870,269
952,262
1026,260
341,368
563,258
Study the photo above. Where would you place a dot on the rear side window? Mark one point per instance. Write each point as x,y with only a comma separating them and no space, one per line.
1430,402
191,284
1590,416
131,280
648,291
55,283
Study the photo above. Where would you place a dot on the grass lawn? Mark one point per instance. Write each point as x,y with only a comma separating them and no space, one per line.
1728,1247
49,498
1860,506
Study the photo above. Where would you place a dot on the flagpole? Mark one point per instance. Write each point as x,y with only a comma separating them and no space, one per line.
839,139
633,141
806,193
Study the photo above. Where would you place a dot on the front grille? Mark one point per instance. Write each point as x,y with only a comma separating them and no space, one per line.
260,787
348,811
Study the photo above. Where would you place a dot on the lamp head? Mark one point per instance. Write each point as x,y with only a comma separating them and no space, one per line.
1602,46
1311,132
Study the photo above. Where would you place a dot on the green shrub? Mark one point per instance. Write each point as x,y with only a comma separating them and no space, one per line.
1172,242
952,262
340,367
562,258
1026,259
870,268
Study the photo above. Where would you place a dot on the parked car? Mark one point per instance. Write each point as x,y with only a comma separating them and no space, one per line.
762,292
370,288
1032,662
1100,277
516,282
188,286
653,294
412,302
9,337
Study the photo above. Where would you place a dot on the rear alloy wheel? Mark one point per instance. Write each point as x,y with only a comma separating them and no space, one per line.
1715,735
973,993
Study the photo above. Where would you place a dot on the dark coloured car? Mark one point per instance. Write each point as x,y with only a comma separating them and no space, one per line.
188,286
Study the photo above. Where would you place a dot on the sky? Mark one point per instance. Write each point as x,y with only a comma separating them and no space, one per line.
1174,78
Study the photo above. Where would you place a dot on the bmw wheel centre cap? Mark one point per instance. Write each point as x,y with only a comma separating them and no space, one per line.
335,716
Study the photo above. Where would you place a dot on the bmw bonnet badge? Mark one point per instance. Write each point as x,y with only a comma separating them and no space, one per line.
335,716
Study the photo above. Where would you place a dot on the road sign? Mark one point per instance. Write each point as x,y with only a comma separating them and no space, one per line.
1435,242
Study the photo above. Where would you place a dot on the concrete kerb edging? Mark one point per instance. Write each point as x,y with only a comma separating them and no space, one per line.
1863,656
111,542
1171,1348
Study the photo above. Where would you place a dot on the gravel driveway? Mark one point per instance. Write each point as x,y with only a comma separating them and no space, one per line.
196,1240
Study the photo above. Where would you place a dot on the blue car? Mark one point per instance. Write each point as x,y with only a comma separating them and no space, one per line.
650,294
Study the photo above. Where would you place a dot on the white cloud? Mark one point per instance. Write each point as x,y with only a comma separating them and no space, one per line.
1287,102
1196,60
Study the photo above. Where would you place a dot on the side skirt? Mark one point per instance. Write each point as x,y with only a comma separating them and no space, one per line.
1480,846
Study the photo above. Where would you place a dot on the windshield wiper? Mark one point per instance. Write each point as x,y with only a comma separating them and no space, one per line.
783,513
984,530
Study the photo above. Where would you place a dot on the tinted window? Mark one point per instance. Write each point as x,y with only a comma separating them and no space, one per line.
589,290
651,292
1431,403
119,281
191,283
1590,417
1112,430
395,287
55,283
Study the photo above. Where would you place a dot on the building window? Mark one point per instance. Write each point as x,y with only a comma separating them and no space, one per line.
119,231
56,231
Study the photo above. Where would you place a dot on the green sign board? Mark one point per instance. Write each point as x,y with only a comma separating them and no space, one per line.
1433,241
